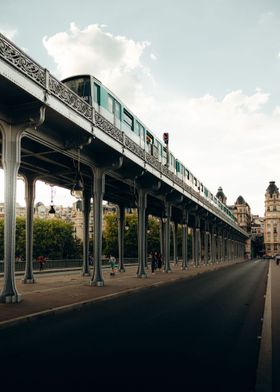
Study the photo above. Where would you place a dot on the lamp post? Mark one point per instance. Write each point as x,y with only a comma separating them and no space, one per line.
78,187
52,210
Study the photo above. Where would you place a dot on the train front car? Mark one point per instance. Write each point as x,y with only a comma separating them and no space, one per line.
81,85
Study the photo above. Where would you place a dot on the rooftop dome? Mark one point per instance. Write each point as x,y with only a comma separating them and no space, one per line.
220,193
240,200
272,188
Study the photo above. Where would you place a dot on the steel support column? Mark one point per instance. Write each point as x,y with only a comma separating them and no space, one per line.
142,205
121,222
175,243
197,241
30,182
98,193
86,214
206,248
166,267
185,240
11,161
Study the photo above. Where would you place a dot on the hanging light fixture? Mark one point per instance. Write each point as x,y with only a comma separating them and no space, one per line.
78,187
51,210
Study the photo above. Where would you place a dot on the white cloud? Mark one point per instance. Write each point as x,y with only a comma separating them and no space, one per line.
229,142
8,31
115,60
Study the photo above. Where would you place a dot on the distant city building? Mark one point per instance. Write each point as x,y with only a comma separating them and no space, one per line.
272,220
20,211
257,226
242,211
221,196
257,235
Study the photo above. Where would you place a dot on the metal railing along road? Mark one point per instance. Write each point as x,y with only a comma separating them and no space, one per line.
60,264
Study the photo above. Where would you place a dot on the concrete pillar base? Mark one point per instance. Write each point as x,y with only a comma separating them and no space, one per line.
142,276
11,299
98,284
28,281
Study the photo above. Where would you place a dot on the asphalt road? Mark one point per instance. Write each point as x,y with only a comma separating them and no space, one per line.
199,334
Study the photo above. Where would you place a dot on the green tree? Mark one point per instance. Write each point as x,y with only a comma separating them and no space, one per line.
153,234
52,238
110,234
130,236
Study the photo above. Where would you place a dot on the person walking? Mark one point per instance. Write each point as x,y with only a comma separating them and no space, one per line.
41,260
154,262
112,261
159,261
277,259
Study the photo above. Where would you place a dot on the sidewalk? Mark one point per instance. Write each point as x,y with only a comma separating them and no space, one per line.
63,291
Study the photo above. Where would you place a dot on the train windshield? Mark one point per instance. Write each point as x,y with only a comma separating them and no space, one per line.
80,86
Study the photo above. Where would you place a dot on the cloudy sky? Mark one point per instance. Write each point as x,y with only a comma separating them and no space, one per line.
205,71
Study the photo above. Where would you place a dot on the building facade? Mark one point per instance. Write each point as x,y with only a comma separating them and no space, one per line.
272,220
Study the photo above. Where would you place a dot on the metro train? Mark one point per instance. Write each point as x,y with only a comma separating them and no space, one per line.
114,110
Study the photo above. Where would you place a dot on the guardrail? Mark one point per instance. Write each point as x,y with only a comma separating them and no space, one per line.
56,264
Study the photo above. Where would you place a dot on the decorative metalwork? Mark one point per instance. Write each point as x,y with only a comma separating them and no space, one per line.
153,161
132,146
13,55
70,98
167,172
107,127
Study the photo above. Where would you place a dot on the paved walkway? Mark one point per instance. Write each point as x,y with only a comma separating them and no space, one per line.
62,291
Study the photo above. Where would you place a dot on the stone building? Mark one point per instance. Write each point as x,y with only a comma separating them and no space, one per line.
242,212
272,220
221,196
257,234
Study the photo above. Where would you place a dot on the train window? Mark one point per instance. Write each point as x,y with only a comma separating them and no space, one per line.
128,119
117,110
178,167
172,160
149,138
110,102
195,181
139,129
80,86
96,93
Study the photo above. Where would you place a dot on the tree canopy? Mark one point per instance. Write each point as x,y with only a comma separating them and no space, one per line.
51,238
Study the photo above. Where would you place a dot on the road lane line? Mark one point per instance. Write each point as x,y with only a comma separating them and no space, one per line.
264,371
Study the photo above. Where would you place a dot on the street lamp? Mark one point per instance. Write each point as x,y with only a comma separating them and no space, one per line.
51,210
78,187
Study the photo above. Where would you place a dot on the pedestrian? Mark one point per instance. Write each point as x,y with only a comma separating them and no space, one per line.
154,262
90,260
277,259
41,260
112,261
159,260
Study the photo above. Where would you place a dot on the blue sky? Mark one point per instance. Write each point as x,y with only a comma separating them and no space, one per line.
206,71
